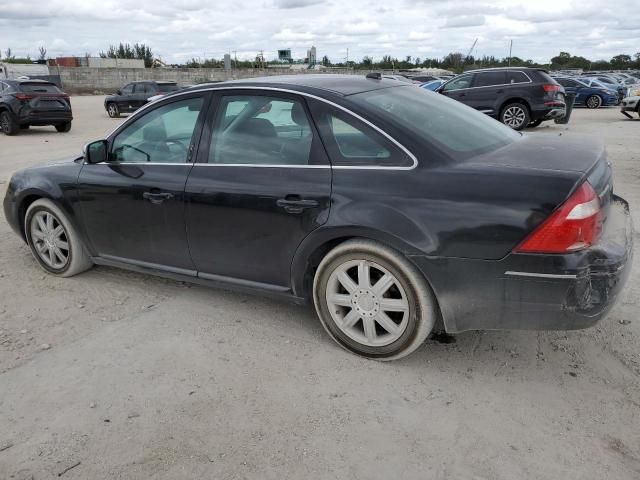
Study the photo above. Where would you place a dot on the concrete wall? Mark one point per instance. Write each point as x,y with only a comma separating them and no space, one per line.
108,80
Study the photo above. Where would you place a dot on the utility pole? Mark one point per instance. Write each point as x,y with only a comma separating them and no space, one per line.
347,59
235,58
510,50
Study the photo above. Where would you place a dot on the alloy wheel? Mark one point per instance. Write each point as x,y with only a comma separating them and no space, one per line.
367,303
112,110
4,123
594,101
514,116
49,239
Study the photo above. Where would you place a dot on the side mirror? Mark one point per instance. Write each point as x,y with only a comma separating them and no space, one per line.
96,152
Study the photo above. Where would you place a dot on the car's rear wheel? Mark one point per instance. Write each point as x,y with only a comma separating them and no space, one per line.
7,124
53,241
373,301
515,115
63,127
112,110
593,101
535,123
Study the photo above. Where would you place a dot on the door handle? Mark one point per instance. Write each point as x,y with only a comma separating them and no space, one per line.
157,198
295,204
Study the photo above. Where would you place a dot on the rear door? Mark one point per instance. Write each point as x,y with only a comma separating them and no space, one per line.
261,184
488,91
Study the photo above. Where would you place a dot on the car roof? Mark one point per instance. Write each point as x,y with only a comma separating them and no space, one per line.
332,83
506,68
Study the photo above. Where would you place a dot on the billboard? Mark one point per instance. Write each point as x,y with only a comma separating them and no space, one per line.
284,54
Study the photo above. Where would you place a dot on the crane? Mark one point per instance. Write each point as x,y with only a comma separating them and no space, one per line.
471,49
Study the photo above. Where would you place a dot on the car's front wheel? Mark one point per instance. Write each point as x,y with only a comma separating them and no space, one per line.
7,124
594,101
112,110
373,301
63,127
515,115
53,241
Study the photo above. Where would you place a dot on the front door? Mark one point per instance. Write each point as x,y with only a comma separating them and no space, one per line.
262,183
458,88
133,205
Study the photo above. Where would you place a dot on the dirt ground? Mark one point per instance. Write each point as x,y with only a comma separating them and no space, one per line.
116,375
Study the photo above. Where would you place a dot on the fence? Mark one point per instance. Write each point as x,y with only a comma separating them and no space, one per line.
107,80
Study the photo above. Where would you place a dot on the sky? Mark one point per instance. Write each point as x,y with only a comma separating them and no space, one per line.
178,30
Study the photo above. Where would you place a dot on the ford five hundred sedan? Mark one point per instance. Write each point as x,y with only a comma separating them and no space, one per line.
392,209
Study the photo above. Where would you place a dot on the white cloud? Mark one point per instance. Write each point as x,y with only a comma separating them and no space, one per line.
180,29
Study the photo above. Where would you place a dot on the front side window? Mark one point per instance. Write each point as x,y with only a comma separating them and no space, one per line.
127,89
261,130
141,88
463,81
162,135
488,79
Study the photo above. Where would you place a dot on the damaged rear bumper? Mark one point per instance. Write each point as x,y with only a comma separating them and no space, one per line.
537,291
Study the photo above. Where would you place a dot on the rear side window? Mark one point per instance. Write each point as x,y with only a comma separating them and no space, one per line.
488,79
517,77
353,143
546,77
39,88
166,87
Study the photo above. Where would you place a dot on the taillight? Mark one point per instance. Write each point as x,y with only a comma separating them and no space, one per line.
575,225
550,87
23,96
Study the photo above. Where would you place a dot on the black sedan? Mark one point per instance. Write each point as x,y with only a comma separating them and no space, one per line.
393,209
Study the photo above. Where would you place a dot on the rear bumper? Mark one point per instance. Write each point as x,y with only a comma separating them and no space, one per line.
550,113
630,104
45,118
536,292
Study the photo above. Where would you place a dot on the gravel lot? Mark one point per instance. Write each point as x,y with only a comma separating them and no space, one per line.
135,377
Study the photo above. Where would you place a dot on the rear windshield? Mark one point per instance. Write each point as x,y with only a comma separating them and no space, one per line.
39,88
459,131
167,87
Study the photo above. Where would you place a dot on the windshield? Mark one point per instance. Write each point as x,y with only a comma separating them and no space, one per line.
39,88
459,131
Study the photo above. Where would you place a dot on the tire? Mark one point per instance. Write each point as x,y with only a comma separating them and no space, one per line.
515,115
63,127
593,101
535,123
411,306
40,234
112,110
7,124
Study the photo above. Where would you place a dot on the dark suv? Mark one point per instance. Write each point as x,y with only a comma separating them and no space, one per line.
518,97
136,94
24,103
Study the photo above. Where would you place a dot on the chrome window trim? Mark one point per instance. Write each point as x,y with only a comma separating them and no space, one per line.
539,275
498,85
294,92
